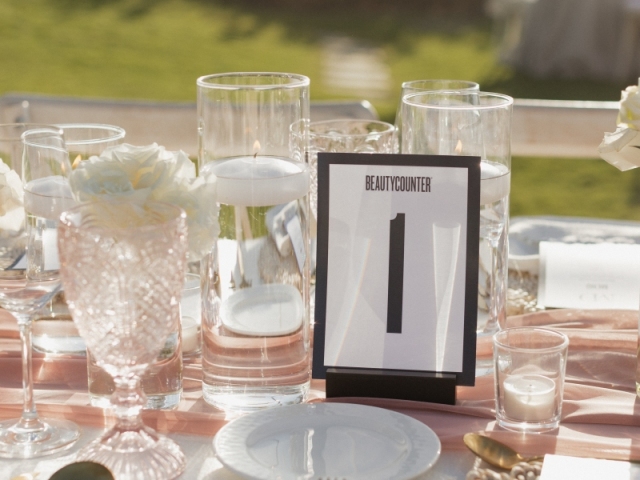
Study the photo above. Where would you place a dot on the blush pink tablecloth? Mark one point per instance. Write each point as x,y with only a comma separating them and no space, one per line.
601,413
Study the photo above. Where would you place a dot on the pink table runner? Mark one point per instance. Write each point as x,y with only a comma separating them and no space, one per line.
601,416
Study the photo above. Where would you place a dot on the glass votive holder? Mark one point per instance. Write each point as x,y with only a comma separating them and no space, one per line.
529,371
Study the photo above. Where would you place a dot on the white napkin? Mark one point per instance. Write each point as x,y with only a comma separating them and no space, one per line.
276,221
560,467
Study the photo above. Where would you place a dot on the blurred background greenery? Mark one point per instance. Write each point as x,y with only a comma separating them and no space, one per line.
155,49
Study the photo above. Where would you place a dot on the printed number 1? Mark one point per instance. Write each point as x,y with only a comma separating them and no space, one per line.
396,274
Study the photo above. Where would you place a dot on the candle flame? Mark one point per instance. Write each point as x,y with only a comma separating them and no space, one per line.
76,162
458,148
256,148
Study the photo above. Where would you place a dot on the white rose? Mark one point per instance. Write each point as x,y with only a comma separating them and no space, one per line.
98,177
198,199
630,107
11,192
151,172
622,147
151,166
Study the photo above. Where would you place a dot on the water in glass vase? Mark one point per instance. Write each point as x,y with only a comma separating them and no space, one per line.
493,253
255,351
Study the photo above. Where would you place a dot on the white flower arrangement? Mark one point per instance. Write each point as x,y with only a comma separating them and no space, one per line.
11,192
11,199
138,174
622,147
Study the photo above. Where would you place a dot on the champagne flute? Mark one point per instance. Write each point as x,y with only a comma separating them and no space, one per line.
30,282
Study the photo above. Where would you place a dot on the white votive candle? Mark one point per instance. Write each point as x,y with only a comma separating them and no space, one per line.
190,334
529,398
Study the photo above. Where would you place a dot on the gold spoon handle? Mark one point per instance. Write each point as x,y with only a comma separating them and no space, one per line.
537,458
495,453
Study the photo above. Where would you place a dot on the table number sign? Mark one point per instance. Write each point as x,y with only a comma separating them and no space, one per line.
396,275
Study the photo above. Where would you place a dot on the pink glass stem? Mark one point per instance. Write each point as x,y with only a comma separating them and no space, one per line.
127,401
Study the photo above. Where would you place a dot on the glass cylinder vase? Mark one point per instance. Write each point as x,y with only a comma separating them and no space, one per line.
477,124
255,318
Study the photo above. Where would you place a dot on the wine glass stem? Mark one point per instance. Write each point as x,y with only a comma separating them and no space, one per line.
29,419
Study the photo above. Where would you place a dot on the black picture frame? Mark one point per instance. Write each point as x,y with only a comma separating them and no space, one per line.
376,382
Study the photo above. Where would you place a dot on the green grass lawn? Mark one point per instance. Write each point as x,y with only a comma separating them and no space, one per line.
155,49
574,187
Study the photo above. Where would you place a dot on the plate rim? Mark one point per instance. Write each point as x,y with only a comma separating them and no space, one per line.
230,430
528,262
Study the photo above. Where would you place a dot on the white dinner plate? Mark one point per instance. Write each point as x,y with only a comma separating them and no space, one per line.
264,310
327,440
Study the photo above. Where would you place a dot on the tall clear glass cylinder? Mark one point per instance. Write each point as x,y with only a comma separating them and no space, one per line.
431,85
255,317
477,124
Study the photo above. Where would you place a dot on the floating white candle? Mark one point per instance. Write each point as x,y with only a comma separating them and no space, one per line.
529,398
257,181
190,335
495,182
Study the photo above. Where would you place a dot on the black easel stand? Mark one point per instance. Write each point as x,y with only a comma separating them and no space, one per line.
398,384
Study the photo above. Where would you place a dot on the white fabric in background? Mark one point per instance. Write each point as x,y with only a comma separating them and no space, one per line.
575,39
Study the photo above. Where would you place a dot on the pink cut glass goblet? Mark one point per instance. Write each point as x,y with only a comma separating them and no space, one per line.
122,267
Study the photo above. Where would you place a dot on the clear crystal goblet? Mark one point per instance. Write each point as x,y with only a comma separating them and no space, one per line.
31,279
122,267
343,135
